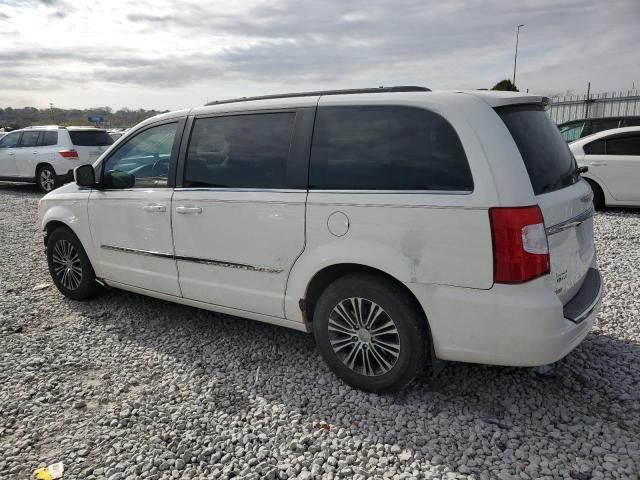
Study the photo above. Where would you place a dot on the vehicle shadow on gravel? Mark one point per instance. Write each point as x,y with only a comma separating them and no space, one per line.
10,187
231,362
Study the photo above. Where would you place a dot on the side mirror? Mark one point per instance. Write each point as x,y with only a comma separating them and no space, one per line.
84,176
118,179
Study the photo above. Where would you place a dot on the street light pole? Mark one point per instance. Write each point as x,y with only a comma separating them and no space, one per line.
515,59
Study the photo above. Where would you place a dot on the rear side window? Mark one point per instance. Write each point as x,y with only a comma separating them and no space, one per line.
29,139
386,148
627,145
594,148
49,137
240,151
546,155
90,138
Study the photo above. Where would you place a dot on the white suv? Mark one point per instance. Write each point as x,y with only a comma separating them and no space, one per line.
398,225
47,154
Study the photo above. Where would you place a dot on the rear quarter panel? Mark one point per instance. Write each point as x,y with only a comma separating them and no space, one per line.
434,238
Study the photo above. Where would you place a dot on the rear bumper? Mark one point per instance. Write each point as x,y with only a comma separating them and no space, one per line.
514,325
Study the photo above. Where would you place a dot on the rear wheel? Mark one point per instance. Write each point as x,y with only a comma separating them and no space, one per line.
598,195
47,179
69,265
370,333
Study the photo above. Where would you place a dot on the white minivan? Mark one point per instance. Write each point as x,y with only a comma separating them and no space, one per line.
400,226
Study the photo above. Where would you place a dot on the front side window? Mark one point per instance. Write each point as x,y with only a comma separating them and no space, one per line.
240,151
29,139
386,148
626,145
146,157
10,141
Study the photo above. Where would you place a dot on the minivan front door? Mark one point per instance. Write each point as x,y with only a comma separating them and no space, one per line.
238,217
131,226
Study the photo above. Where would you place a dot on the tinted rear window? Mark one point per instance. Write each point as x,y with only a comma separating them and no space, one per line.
546,155
90,138
386,148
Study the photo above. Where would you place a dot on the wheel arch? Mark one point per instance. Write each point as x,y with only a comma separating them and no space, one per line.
39,165
75,220
329,274
606,196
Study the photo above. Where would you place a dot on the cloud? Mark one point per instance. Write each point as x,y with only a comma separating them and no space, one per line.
234,48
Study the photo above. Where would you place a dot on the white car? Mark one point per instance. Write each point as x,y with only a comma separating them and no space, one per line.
613,159
401,226
46,155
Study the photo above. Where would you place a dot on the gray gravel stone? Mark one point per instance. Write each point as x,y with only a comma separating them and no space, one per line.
125,386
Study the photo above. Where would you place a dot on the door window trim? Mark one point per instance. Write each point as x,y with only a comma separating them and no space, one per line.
175,148
297,161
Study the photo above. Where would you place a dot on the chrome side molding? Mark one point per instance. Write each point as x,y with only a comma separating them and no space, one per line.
184,258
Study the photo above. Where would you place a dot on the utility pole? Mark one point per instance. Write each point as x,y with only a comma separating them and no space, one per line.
515,59
51,110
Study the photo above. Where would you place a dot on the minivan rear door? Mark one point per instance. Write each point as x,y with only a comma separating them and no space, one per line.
90,143
563,197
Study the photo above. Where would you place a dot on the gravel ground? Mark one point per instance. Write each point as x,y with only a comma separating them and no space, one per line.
126,386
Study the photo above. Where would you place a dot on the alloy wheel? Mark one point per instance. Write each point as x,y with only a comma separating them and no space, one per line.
364,336
47,181
67,265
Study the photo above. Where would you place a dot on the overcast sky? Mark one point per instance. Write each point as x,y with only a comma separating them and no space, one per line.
176,54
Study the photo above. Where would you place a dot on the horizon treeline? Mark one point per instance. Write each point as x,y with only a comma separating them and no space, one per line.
14,118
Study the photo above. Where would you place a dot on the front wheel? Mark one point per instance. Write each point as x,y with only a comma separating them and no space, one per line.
69,265
47,179
370,333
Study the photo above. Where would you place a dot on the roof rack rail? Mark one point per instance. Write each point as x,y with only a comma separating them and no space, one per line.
42,126
402,88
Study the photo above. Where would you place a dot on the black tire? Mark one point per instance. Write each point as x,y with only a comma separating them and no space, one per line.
77,280
411,333
47,179
598,195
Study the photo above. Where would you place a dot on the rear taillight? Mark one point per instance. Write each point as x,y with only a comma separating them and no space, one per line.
72,154
520,248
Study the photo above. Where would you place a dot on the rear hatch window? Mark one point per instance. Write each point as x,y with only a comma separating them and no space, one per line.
90,138
549,162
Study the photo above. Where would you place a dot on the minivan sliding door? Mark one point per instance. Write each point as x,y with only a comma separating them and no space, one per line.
238,217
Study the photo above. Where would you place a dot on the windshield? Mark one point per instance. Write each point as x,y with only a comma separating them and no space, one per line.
549,162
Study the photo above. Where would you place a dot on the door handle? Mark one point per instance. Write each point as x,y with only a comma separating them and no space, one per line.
187,210
155,208
598,164
34,153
